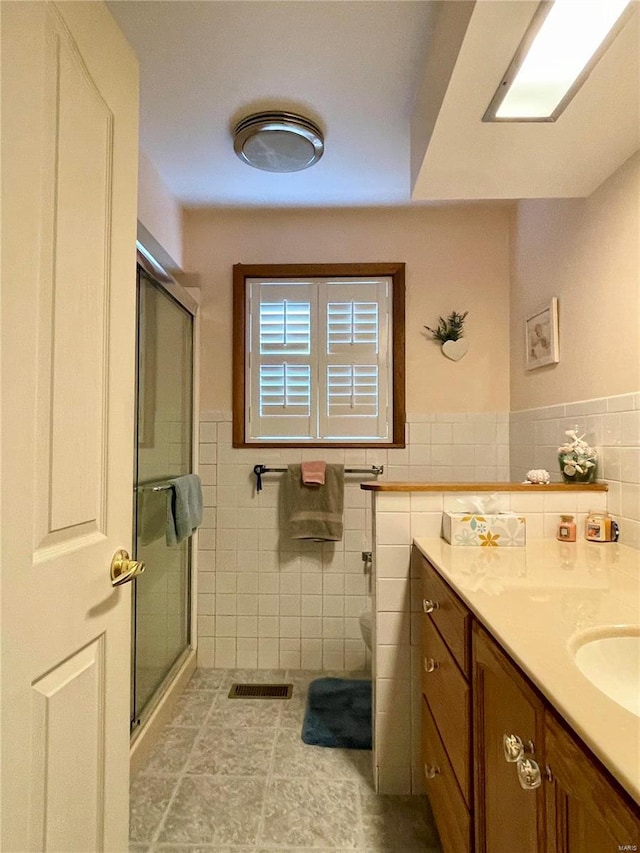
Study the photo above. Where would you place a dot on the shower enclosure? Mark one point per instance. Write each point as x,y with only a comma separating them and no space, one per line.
162,595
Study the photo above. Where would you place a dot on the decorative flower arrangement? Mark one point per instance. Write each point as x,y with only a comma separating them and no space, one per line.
577,459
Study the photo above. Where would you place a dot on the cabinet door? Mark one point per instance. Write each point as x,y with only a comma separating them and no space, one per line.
508,817
585,812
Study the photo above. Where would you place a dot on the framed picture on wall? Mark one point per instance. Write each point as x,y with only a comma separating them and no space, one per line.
541,337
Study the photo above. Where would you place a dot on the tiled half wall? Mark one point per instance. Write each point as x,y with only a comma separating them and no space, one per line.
611,425
267,602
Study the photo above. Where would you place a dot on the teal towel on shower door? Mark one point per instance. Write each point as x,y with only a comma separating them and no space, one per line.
184,508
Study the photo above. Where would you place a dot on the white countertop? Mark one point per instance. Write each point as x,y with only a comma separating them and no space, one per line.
535,601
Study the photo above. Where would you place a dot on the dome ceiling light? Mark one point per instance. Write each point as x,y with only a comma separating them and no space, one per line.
278,142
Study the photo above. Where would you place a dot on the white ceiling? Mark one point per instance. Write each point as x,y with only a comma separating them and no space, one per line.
398,87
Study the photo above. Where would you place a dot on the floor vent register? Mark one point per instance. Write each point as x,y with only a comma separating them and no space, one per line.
261,691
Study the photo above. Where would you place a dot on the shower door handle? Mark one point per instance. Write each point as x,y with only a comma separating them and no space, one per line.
123,568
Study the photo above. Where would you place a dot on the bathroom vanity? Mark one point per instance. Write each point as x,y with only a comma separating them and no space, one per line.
520,750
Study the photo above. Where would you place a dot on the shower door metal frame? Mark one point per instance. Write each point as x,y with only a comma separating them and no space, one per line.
164,281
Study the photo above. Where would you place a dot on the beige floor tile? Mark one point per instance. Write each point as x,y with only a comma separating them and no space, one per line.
225,751
233,776
299,812
214,810
148,802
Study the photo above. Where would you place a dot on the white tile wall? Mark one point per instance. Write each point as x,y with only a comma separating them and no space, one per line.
268,602
612,425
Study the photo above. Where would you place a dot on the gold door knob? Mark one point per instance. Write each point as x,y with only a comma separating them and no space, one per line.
123,568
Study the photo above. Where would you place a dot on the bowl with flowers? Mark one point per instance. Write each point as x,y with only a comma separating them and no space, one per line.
577,459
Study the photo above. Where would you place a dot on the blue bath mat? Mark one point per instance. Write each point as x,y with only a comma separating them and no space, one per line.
338,713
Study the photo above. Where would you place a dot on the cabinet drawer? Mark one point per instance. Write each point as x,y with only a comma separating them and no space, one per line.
449,615
449,809
448,696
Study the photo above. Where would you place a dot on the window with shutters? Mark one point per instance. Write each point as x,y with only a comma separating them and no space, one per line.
319,355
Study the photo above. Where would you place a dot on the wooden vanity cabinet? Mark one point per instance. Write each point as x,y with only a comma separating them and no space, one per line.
508,816
577,807
473,695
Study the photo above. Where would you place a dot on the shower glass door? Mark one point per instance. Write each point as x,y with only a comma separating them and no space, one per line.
164,436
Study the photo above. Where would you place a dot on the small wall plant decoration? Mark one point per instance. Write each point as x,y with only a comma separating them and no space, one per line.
449,332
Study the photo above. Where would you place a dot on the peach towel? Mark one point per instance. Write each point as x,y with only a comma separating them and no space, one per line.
313,473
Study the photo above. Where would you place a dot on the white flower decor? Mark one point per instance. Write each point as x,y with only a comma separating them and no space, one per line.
577,459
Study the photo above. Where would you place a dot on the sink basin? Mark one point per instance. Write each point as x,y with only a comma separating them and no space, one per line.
610,659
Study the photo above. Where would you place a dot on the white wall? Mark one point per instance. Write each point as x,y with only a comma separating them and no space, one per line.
159,213
587,253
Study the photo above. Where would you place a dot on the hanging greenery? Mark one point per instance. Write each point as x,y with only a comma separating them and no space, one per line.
450,329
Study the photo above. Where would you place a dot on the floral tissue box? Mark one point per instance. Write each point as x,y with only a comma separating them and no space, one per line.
498,530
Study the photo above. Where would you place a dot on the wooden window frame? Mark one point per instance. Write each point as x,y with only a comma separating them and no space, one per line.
242,272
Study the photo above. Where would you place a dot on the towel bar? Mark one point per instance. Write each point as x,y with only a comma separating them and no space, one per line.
160,486
259,470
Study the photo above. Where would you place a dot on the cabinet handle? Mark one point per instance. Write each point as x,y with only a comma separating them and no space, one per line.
513,748
429,606
431,772
430,664
529,774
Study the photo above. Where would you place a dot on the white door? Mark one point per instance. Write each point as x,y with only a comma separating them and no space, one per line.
69,175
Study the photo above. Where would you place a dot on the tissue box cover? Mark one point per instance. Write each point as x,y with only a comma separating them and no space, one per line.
498,530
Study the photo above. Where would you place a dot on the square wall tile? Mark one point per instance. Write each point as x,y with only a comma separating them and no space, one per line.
392,561
206,652
426,524
393,528
391,693
393,628
269,653
311,654
393,594
393,737
225,652
393,501
393,662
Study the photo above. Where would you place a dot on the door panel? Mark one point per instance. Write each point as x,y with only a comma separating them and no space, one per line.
68,707
69,177
74,287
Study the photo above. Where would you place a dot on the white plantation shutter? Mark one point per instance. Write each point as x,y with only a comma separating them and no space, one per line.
355,384
318,360
281,355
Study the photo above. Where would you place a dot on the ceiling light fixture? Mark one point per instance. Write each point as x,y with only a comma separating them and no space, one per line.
278,142
559,50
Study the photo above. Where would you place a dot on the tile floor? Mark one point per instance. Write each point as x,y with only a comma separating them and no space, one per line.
233,775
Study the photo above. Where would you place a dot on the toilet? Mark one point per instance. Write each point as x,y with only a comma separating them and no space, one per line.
366,621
